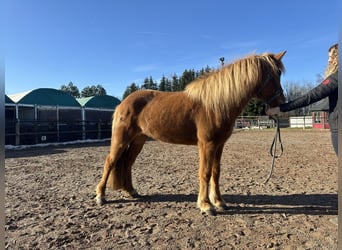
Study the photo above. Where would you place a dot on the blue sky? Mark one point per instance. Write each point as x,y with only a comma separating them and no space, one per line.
115,43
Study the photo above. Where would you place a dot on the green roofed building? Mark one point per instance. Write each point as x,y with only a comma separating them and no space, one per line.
49,115
45,97
98,110
8,100
104,102
43,115
10,112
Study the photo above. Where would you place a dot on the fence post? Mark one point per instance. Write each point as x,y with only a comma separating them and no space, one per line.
57,124
35,130
17,132
83,124
99,129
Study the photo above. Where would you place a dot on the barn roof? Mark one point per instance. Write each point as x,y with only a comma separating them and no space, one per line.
8,100
104,101
321,105
45,96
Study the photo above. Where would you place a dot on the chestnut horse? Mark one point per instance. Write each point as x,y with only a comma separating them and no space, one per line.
203,114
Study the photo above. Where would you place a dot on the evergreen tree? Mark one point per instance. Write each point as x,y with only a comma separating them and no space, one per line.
162,84
93,91
130,89
174,83
100,90
153,84
149,84
168,85
255,107
71,89
146,83
187,77
204,71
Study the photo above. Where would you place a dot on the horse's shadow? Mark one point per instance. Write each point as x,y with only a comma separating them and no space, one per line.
308,204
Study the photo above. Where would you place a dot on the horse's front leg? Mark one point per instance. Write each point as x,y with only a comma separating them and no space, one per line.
215,194
206,152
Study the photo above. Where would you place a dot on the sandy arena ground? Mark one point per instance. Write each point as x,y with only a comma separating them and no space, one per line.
50,197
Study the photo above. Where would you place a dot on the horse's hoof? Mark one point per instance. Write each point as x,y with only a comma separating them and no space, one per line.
210,212
222,207
134,194
100,200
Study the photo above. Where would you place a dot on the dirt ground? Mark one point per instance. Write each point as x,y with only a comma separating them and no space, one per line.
50,197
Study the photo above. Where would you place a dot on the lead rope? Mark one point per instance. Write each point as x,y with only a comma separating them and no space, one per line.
273,148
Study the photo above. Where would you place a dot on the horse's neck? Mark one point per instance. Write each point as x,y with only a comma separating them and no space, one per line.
238,106
241,103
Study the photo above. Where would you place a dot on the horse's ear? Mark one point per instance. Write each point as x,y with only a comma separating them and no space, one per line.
280,55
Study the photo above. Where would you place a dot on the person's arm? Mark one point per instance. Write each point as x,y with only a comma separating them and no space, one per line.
316,94
273,111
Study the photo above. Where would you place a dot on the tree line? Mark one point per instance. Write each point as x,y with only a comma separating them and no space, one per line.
178,83
171,84
174,83
86,92
255,107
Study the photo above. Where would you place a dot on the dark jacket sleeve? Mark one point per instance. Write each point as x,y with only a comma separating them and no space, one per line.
324,89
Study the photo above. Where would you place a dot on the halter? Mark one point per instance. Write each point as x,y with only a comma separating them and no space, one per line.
264,85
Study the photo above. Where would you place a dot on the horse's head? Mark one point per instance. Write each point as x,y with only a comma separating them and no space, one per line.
270,90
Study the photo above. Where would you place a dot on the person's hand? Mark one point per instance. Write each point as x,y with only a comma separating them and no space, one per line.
273,111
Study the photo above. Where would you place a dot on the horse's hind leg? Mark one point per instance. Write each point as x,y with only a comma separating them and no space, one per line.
120,152
115,152
130,156
215,194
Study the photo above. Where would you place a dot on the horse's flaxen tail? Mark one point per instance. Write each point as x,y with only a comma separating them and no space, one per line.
117,175
116,178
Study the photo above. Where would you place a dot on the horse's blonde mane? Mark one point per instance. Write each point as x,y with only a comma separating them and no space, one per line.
229,86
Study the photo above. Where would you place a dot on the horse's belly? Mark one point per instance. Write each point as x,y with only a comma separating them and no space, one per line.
174,138
167,117
169,128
